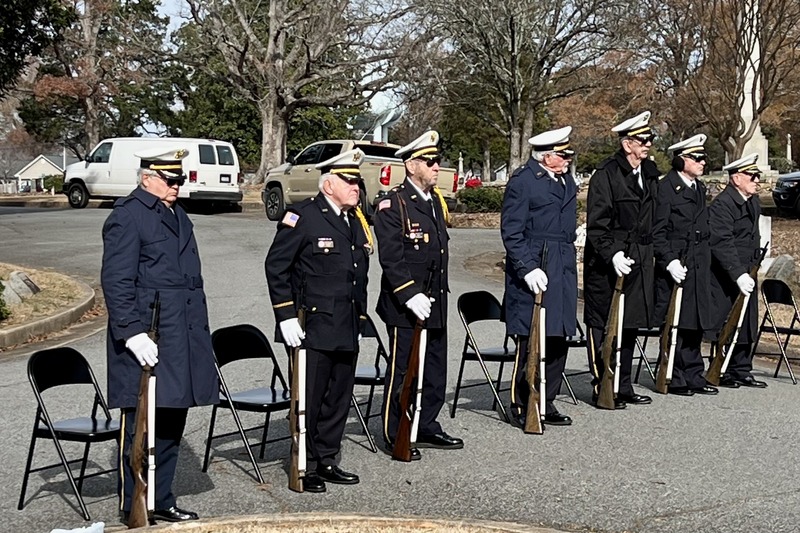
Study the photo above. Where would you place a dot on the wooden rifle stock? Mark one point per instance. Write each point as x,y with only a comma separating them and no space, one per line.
144,489
669,337
401,450
297,411
730,329
611,343
533,372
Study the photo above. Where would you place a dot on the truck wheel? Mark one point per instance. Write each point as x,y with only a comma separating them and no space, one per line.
274,204
78,196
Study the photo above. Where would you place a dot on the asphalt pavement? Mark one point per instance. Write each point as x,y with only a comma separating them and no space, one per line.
702,464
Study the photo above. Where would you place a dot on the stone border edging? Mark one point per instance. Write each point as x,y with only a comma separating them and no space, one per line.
331,519
22,333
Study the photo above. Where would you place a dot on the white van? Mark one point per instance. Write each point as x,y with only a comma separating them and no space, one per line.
211,168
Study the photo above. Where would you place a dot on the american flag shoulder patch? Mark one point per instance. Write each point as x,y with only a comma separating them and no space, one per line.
384,204
290,219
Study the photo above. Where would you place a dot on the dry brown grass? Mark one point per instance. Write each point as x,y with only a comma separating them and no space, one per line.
58,292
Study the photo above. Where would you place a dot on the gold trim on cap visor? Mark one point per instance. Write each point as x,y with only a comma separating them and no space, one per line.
169,166
646,129
424,151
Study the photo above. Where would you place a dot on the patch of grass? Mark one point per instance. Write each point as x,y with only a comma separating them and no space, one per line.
58,292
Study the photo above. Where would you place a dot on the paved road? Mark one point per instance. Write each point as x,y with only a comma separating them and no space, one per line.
710,464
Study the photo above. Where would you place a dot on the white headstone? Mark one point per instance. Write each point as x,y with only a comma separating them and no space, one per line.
9,296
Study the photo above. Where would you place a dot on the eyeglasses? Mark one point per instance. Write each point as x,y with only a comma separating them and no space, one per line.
753,175
431,162
696,157
171,182
643,139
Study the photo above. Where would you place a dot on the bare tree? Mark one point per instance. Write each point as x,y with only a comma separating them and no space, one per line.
286,54
520,55
719,57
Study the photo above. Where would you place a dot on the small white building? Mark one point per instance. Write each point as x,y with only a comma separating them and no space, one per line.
30,178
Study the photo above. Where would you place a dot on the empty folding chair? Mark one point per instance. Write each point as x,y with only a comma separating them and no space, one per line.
48,369
244,343
776,292
370,375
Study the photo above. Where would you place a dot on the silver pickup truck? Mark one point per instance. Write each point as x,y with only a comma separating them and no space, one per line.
297,179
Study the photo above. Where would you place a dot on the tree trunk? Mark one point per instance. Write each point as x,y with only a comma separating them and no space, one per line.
514,149
486,170
273,140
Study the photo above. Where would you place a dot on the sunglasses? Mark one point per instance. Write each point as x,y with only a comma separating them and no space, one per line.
753,175
171,182
697,157
643,139
565,155
350,181
431,162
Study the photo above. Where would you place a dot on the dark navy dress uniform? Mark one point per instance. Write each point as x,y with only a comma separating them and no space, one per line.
317,250
412,236
619,218
148,248
539,210
681,231
735,249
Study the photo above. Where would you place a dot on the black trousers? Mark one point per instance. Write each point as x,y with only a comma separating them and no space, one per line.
434,379
329,389
688,366
169,427
555,359
740,365
595,347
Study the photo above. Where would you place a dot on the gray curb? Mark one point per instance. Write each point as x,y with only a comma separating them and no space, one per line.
22,333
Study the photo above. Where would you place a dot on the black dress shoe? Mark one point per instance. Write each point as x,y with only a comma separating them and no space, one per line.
173,514
557,419
440,440
635,399
750,381
681,391
728,382
334,474
619,403
706,389
415,455
313,483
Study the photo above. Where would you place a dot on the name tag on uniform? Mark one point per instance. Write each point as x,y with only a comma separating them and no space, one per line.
415,236
326,243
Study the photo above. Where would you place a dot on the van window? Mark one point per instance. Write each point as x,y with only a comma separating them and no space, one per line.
102,154
309,156
207,155
330,150
225,155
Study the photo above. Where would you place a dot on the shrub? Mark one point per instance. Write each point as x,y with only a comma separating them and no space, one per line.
5,312
56,180
482,199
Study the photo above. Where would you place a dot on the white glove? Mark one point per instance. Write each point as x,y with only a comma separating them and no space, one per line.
677,270
536,280
622,264
143,349
292,333
420,305
745,283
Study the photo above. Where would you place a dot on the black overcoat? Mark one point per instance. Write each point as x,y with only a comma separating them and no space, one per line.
147,248
620,219
317,250
681,231
735,242
538,210
410,241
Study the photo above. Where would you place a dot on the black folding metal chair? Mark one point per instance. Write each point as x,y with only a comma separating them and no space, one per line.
641,346
370,375
776,292
240,343
48,369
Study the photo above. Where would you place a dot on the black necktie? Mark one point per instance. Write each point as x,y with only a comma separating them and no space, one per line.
560,179
433,211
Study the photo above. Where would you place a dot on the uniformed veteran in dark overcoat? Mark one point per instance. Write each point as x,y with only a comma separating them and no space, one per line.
619,208
319,261
411,230
683,256
539,209
148,248
735,249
